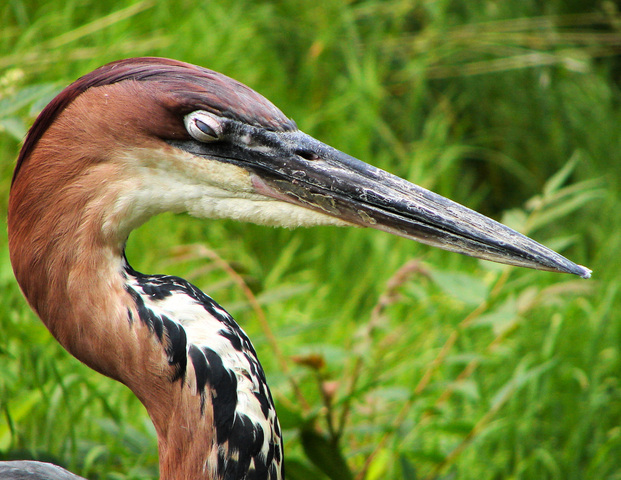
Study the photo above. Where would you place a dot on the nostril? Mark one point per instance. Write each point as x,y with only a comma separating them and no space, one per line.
307,154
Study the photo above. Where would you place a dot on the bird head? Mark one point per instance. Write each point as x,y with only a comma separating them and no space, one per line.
185,138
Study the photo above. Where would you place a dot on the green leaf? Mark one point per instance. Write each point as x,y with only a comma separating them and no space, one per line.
519,379
466,288
15,411
379,466
501,318
408,471
14,126
551,214
289,418
26,96
325,454
298,470
459,427
468,389
433,456
555,182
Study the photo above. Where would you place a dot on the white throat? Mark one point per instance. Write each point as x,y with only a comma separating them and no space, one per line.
171,180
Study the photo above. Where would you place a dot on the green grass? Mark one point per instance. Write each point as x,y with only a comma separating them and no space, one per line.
409,362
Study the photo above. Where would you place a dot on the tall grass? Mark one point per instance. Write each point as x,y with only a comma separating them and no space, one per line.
387,359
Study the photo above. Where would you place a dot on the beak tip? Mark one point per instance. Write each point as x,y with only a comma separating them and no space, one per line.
583,272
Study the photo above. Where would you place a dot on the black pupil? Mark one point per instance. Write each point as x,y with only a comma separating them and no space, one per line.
206,129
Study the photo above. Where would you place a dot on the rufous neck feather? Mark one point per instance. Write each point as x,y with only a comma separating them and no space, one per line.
68,259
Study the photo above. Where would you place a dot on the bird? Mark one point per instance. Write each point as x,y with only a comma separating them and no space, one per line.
142,136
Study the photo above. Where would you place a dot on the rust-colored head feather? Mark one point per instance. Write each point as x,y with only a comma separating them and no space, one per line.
191,86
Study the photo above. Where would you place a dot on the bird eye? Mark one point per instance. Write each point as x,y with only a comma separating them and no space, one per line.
203,126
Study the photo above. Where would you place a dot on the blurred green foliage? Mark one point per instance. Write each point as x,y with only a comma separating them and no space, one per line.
387,359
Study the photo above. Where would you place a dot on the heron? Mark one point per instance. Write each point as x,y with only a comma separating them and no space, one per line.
142,136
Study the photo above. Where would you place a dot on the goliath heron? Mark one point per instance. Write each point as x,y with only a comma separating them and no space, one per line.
142,136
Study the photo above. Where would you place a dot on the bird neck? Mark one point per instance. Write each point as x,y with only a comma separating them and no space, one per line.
196,373
73,202
70,266
68,271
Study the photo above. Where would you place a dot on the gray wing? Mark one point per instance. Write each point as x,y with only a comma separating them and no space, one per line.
30,470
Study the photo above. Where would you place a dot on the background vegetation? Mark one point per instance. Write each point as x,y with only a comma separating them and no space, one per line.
387,359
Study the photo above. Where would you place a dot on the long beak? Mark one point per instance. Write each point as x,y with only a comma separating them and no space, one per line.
337,184
297,168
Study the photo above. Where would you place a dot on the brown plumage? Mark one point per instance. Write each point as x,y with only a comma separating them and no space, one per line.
67,245
187,87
